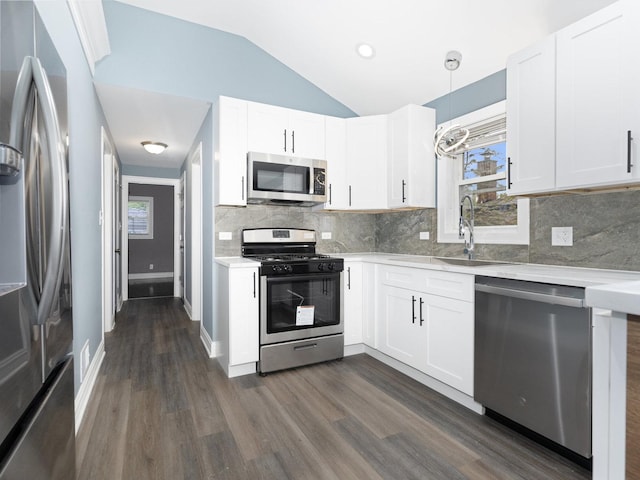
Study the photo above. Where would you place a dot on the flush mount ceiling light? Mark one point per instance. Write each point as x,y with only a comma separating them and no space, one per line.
154,147
365,50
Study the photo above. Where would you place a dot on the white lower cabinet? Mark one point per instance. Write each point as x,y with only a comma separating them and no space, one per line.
238,322
430,329
402,334
353,300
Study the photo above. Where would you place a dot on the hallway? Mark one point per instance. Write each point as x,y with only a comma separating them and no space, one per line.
162,409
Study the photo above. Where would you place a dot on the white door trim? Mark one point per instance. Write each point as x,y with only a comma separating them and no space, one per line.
173,182
195,161
106,223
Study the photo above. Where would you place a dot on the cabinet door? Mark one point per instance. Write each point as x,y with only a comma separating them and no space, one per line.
243,316
336,152
371,315
352,302
307,132
449,341
401,335
268,129
367,162
597,90
531,127
411,162
231,152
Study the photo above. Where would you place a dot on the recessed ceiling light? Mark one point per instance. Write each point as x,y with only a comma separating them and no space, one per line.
365,50
154,147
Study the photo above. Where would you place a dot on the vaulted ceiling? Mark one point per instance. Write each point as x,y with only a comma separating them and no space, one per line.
318,39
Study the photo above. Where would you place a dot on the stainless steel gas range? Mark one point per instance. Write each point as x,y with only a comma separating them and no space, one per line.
301,314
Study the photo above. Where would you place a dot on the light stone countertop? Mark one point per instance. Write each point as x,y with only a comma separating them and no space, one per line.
617,290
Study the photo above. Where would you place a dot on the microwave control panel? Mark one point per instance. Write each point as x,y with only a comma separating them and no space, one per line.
318,181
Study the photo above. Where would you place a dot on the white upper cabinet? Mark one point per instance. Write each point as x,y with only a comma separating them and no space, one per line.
411,164
336,152
284,131
230,160
597,98
573,105
367,162
531,126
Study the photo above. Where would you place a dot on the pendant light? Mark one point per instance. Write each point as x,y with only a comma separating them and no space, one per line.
448,139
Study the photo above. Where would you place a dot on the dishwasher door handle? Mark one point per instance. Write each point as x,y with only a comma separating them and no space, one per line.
533,296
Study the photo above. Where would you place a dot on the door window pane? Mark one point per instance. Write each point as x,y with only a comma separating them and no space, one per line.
140,217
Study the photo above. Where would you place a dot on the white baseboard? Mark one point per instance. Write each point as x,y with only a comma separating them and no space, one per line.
187,307
432,383
354,349
142,276
210,346
86,387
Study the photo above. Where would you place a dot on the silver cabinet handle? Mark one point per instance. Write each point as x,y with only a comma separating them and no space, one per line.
254,284
509,172
293,141
421,317
404,198
349,195
285,139
242,187
629,138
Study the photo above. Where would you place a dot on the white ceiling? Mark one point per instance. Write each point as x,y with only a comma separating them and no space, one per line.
317,39
137,115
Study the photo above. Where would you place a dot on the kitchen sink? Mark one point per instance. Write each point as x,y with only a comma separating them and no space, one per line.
465,262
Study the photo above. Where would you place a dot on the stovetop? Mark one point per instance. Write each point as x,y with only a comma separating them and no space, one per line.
287,251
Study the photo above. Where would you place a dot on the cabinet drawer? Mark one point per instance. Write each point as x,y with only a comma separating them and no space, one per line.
435,282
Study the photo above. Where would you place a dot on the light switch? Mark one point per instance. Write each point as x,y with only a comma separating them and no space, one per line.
326,235
424,235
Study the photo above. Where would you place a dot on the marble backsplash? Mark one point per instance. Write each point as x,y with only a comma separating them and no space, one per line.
606,231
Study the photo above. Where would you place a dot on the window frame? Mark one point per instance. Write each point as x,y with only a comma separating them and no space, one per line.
448,205
149,234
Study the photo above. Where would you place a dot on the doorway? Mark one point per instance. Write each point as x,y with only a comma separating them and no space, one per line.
110,221
167,270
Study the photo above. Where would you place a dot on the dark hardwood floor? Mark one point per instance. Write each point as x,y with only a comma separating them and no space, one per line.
148,288
162,409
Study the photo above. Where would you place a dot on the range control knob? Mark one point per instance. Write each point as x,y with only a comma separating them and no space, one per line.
330,266
287,268
320,267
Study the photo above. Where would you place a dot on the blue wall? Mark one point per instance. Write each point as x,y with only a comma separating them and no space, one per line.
166,55
472,97
139,171
85,145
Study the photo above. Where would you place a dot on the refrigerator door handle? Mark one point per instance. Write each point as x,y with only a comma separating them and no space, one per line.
20,103
59,200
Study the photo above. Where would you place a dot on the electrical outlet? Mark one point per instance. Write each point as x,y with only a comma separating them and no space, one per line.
326,236
562,236
224,236
151,266
424,235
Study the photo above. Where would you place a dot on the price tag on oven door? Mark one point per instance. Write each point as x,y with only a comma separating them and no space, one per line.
304,315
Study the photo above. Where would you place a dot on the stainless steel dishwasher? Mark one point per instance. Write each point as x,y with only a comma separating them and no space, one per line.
533,358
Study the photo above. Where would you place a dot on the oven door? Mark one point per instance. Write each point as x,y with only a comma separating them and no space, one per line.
295,307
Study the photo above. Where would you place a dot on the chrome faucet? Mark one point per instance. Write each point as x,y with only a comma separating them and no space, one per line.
463,224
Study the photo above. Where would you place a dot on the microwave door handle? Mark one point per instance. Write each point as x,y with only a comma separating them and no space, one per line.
59,200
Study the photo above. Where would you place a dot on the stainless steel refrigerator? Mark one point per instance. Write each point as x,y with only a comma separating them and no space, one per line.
37,434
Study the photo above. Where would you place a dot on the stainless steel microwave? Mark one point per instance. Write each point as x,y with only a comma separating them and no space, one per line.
285,180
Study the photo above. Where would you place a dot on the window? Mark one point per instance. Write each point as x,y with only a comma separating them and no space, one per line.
480,171
140,217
